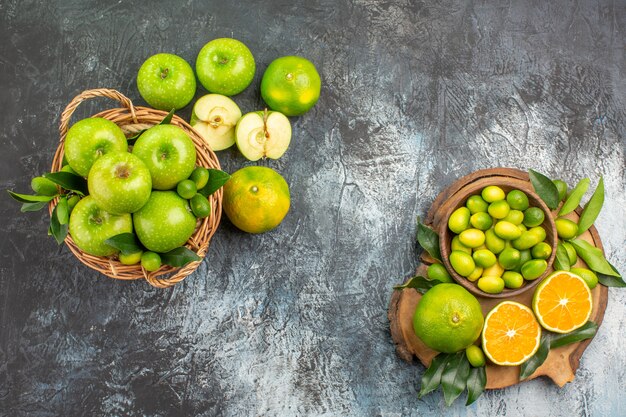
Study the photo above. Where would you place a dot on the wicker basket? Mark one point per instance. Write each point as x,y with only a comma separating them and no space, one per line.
131,120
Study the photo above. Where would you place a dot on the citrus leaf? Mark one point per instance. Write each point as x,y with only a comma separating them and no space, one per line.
126,243
592,208
429,240
36,206
27,198
573,200
432,377
476,384
611,281
561,261
69,181
585,332
594,258
545,189
217,179
418,282
63,210
179,257
454,377
168,119
530,366
56,229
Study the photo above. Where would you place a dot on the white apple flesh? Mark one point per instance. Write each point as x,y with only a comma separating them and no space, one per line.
215,117
263,135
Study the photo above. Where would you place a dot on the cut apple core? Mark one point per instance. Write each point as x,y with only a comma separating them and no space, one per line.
263,135
215,117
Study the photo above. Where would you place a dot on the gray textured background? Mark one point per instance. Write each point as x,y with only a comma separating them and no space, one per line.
293,322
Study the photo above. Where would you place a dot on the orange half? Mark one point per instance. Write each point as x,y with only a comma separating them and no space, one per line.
511,334
562,302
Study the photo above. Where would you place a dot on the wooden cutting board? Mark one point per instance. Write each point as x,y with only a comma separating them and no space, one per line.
561,364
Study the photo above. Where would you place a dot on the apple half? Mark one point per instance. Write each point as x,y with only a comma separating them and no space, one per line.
263,134
215,116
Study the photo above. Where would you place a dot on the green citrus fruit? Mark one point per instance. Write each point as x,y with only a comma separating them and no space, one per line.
200,206
541,251
459,220
493,193
150,261
475,356
507,230
476,204
481,221
499,209
200,176
534,268
587,275
571,253
448,318
491,284
130,258
493,242
186,189
457,245
566,229
256,199
509,258
462,263
512,279
438,272
291,85
515,216
484,258
472,238
533,216
517,199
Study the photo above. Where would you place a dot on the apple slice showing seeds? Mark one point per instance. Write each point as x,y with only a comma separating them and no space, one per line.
263,135
215,116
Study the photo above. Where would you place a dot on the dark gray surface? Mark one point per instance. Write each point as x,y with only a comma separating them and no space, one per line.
293,322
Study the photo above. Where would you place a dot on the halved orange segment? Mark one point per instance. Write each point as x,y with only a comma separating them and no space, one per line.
562,302
511,334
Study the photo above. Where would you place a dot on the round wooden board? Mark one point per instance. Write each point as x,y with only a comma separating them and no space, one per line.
561,364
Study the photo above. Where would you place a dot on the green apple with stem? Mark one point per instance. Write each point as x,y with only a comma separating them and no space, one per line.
169,154
166,82
165,222
89,139
214,117
263,134
119,182
225,66
90,226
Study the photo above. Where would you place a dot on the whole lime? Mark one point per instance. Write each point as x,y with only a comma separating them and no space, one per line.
448,318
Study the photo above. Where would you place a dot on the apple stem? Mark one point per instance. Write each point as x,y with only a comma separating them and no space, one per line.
265,114
164,72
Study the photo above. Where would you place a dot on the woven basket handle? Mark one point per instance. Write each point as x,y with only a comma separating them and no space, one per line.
87,94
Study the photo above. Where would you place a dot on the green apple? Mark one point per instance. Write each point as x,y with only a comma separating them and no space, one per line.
165,222
89,139
169,154
214,117
119,182
263,135
225,66
166,82
90,226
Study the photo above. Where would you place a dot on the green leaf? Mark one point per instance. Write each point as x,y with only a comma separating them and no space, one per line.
63,210
476,384
454,378
418,282
429,240
592,208
126,243
217,179
545,189
594,258
530,366
432,377
168,119
69,181
585,332
131,140
56,229
611,281
561,261
26,207
573,200
27,198
179,257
